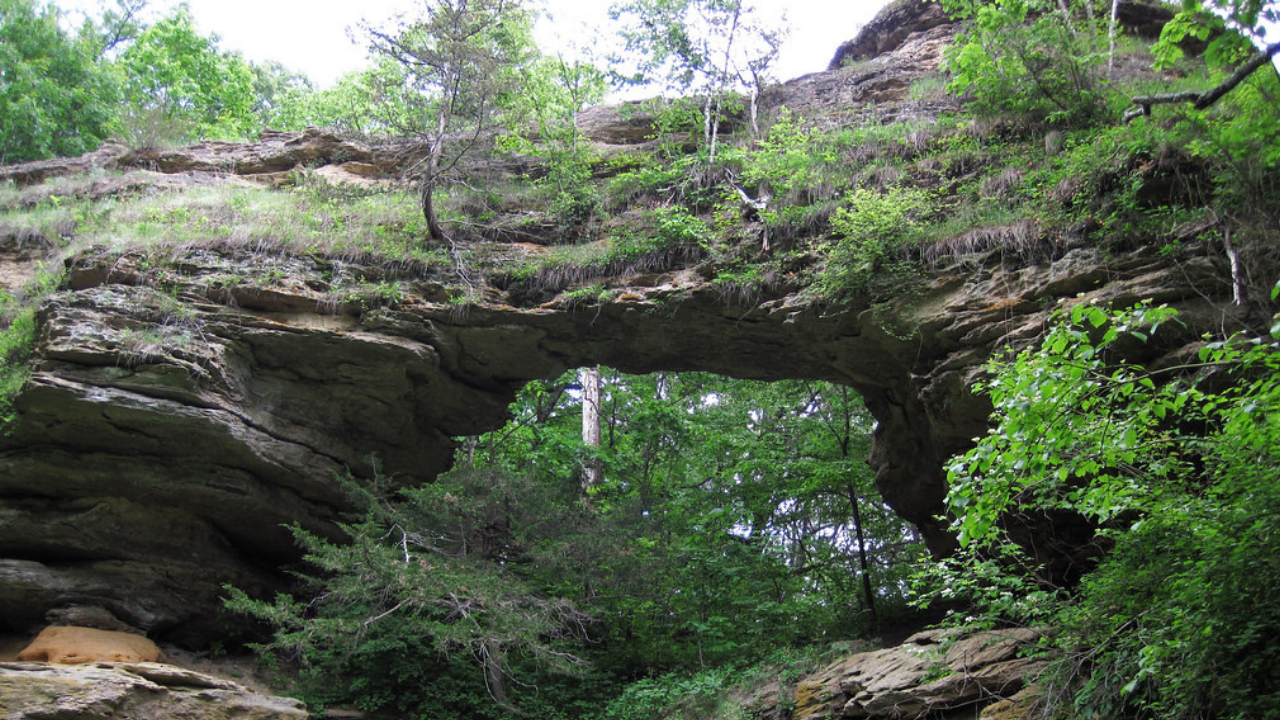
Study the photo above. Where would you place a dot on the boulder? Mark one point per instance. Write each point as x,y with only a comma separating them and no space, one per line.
274,152
933,671
40,170
80,645
131,692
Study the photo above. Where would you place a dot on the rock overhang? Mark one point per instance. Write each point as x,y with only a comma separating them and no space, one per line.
216,396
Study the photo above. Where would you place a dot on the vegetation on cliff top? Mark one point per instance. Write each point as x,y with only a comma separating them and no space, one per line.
1038,162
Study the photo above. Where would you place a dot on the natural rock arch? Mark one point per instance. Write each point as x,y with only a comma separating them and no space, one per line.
143,482
167,436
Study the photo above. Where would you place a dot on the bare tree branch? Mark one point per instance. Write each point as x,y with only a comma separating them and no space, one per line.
1205,99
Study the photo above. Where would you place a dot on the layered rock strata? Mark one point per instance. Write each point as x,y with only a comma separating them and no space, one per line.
167,438
131,691
182,413
933,672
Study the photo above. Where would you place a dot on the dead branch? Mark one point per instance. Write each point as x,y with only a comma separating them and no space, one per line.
1207,98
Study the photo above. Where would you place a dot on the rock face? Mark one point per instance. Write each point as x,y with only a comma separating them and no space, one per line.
891,28
88,616
163,444
131,691
930,673
878,87
904,20
181,415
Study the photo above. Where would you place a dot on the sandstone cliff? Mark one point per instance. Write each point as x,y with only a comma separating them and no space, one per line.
189,400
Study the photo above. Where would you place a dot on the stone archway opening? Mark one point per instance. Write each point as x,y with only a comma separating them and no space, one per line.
188,463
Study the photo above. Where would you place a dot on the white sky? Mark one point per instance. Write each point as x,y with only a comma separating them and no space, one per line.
310,36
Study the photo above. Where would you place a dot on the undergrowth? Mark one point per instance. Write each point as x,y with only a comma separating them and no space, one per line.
18,337
733,691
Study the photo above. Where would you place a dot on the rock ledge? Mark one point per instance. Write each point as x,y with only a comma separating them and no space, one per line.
131,691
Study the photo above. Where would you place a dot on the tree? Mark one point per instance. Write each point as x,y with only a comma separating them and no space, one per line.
1233,31
723,526
1178,470
174,74
115,28
280,96
591,471
724,520
435,602
734,501
709,46
54,100
554,91
1038,57
1045,56
358,103
458,76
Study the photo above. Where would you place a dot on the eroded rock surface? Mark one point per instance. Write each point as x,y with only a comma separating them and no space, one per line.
166,438
887,32
131,691
931,672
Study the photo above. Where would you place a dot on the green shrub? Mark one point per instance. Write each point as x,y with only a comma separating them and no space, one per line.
796,162
873,229
727,692
676,696
1022,57
1182,479
16,343
150,128
18,338
662,238
680,180
657,181
1183,614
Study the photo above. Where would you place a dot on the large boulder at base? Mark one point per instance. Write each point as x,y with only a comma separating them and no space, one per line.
933,671
79,645
131,692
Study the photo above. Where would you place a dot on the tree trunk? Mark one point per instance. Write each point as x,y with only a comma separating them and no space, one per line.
434,231
591,470
1066,17
713,117
470,445
435,149
1111,37
867,595
713,130
755,111
1237,275
707,132
495,678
